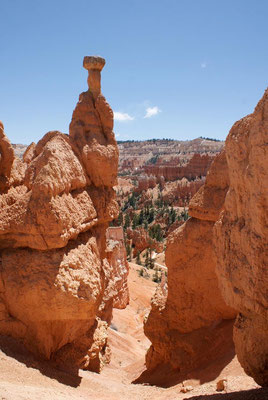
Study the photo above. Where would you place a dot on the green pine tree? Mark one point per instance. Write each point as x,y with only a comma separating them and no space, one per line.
129,252
146,260
141,218
135,221
127,222
138,258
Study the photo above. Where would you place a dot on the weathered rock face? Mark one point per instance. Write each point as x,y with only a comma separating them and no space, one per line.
55,208
180,192
208,201
139,239
29,153
11,168
117,257
194,325
242,239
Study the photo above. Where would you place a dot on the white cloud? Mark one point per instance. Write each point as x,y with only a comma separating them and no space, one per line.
151,111
118,116
203,65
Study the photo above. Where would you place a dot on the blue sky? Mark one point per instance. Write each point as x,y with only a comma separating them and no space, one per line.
191,67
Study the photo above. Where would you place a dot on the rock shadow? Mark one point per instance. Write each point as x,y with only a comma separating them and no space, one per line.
165,376
15,349
253,394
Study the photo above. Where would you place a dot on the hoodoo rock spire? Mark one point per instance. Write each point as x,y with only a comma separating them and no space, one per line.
94,65
56,284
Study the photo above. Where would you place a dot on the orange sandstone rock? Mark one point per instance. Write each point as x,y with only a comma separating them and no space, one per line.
180,192
117,257
194,325
139,238
29,153
11,168
91,130
198,165
54,211
208,201
242,239
7,157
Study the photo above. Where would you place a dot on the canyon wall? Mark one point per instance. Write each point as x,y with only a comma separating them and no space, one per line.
217,266
55,208
191,324
197,166
241,239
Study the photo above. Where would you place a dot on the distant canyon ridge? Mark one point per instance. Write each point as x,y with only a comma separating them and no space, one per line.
160,156
172,159
157,173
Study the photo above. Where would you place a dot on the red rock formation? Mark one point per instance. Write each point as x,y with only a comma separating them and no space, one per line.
179,193
53,219
117,257
7,155
242,239
139,238
11,168
174,226
136,155
188,329
145,182
29,153
194,325
196,167
131,164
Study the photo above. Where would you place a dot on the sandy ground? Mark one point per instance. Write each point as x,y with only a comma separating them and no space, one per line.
23,377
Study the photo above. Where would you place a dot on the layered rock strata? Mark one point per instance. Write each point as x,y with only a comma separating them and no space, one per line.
55,208
197,166
242,239
191,325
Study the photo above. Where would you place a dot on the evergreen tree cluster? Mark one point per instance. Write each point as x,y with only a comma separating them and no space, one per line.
154,216
156,232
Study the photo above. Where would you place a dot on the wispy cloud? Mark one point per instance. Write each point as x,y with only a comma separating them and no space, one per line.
122,117
203,65
151,111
